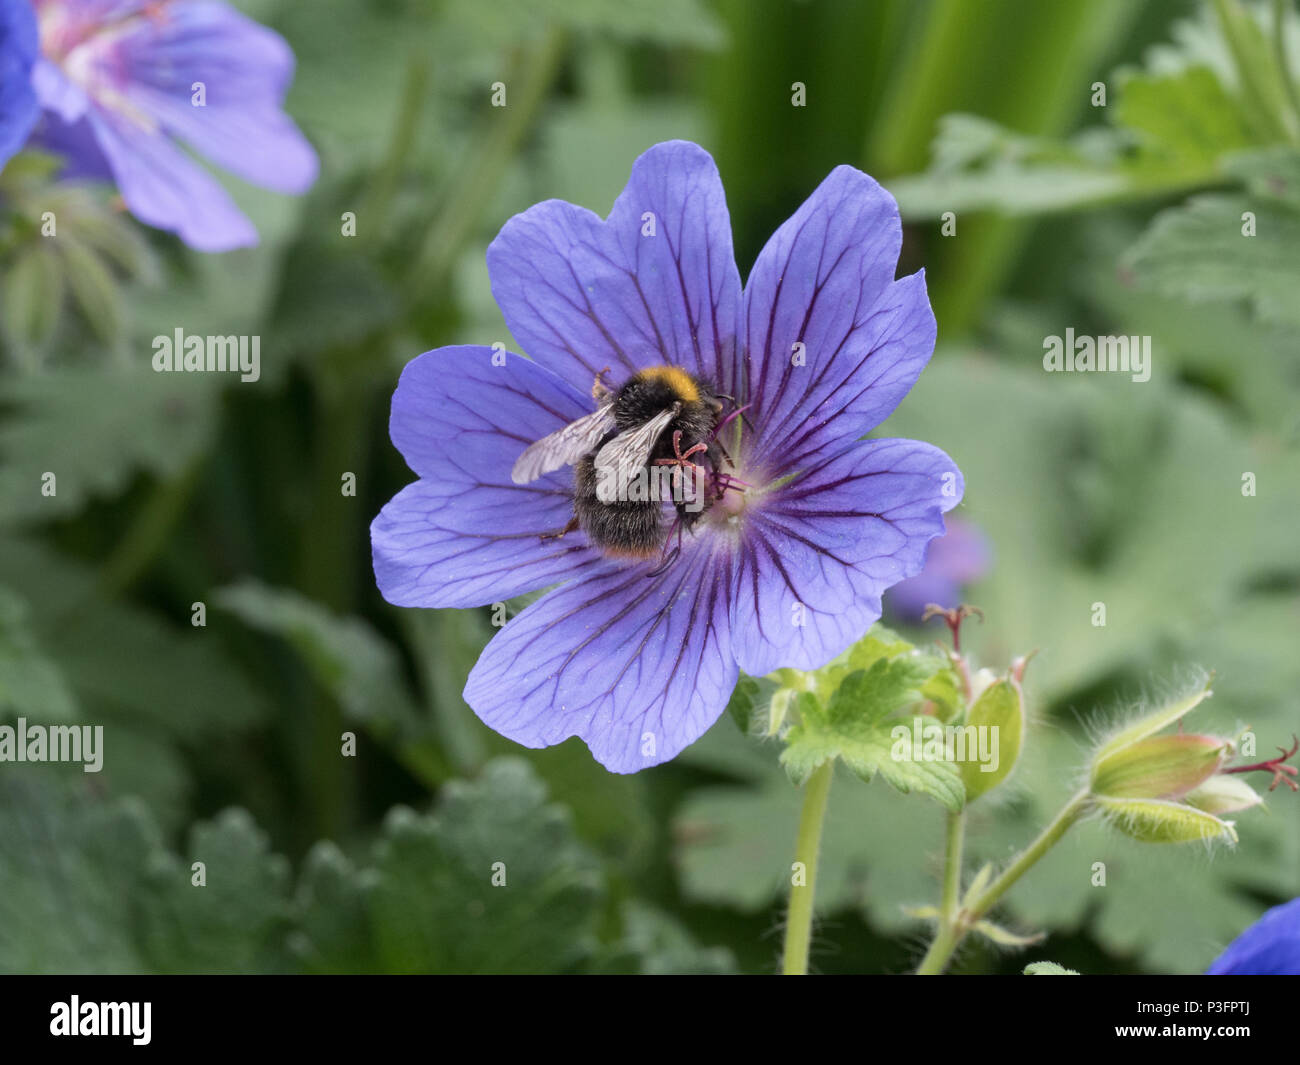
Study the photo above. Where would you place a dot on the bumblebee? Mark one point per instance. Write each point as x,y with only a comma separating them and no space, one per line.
660,420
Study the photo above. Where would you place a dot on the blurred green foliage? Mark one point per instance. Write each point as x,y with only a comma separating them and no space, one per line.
224,740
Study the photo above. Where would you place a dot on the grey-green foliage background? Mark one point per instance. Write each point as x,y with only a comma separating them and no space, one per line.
223,741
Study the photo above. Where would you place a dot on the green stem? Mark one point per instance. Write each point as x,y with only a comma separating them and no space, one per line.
798,927
478,179
1047,839
950,934
1264,101
148,532
936,958
1283,62
386,179
952,865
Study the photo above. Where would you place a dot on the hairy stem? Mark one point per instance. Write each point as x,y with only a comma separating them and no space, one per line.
952,865
798,927
951,933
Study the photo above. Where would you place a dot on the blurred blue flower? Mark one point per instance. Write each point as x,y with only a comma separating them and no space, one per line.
638,658
959,557
123,81
1269,947
18,49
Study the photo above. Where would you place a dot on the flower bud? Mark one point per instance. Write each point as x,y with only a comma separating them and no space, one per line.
1158,767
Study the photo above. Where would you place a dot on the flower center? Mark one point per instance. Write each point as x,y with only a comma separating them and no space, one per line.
84,49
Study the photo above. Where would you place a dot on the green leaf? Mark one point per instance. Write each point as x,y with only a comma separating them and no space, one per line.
493,881
71,876
236,920
743,703
1204,341
1173,127
1272,173
427,901
192,691
877,645
346,656
654,944
192,699
1185,121
93,288
858,727
33,296
1199,252
31,683
94,429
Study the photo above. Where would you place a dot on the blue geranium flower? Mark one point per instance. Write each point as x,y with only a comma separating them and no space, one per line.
18,49
123,81
635,657
1269,947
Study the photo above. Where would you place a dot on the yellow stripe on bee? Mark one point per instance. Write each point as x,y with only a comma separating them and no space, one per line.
677,379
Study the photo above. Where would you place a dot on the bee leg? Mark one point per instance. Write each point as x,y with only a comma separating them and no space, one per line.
669,557
599,390
573,524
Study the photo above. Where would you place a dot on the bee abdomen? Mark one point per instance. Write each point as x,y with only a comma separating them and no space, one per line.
627,528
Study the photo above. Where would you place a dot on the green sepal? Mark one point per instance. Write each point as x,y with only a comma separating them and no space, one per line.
1161,821
1047,968
1000,707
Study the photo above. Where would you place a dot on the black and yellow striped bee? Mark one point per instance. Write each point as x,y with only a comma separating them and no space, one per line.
660,419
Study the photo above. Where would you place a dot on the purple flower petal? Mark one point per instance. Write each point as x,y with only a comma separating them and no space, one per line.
958,557
66,127
817,555
825,281
861,386
58,93
473,410
638,667
435,544
1269,947
121,79
163,187
245,69
580,294
18,48
465,534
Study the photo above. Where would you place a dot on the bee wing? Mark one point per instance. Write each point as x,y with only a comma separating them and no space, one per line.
629,450
563,447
